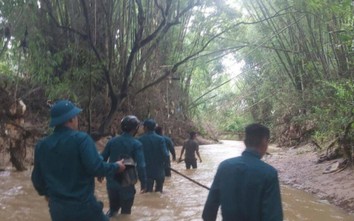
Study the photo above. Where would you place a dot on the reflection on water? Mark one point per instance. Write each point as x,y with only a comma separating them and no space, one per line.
182,200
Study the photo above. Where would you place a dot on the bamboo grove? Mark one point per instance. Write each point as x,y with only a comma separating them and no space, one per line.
165,59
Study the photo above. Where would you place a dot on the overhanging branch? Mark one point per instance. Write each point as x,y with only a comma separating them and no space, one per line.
186,59
50,13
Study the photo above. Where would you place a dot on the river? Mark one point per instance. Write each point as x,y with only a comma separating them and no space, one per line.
181,200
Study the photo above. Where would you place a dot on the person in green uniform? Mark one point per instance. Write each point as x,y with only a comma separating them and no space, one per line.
155,153
65,165
246,188
121,195
171,147
191,147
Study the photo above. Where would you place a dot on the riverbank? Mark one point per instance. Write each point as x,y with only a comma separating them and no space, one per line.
298,168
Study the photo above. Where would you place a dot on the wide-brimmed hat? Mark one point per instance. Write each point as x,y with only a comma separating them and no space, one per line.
62,111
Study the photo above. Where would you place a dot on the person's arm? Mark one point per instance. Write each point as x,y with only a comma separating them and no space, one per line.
140,159
212,204
94,163
165,150
37,176
165,154
197,152
105,155
171,148
271,202
106,152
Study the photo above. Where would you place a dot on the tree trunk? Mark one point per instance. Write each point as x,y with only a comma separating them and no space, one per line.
17,154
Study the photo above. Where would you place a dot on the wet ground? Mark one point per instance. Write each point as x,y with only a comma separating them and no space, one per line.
298,167
182,200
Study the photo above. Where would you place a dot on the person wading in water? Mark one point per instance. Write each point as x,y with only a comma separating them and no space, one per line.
246,188
171,147
120,192
156,154
191,147
65,164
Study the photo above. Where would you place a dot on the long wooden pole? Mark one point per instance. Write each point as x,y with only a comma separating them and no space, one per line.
190,179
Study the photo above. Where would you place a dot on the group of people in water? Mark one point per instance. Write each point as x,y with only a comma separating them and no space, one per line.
66,164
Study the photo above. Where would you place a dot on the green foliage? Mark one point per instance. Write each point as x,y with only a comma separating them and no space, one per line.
292,56
60,91
236,123
287,57
5,69
333,114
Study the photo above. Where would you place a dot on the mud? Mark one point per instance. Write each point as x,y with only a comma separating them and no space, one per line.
298,168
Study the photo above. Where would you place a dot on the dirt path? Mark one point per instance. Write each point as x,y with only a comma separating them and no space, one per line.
298,168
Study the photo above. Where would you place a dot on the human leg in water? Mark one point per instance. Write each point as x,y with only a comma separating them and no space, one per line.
149,184
114,202
159,184
167,167
127,195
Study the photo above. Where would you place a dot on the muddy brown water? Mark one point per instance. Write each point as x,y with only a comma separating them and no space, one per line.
182,200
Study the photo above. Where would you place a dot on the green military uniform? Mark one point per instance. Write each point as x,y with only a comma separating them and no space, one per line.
247,189
171,148
116,149
156,154
65,165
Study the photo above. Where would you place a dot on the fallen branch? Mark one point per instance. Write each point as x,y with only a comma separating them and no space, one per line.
318,147
329,147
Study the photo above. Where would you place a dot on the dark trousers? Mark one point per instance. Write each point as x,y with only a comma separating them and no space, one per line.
158,186
191,162
76,211
167,167
121,199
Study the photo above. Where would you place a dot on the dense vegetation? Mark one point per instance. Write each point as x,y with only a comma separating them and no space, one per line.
172,60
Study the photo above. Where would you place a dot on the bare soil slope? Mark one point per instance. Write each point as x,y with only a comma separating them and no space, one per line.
298,168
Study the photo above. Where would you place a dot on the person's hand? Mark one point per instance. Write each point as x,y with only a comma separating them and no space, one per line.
100,179
142,191
121,165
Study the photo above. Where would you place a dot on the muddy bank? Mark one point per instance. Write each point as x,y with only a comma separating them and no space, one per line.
298,168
